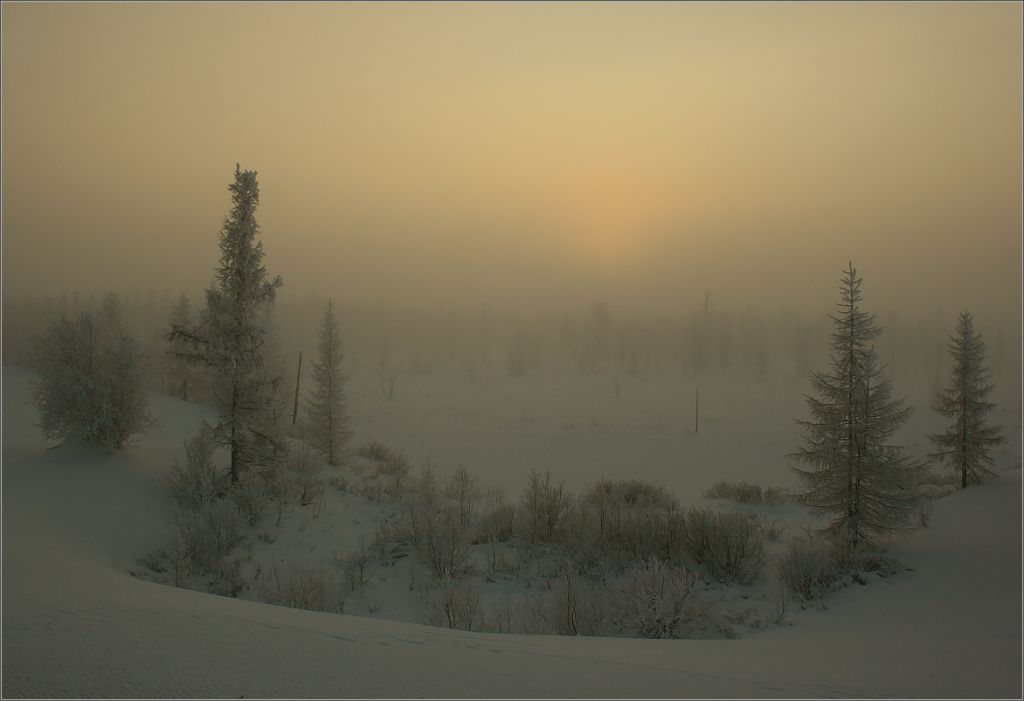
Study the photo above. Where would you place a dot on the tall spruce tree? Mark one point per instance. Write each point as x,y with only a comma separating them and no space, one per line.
853,473
231,336
966,443
327,422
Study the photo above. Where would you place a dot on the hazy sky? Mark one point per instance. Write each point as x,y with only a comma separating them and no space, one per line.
522,154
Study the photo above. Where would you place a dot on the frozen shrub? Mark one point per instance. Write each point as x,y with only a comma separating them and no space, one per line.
546,507
393,468
433,522
808,569
251,496
498,520
575,607
372,450
454,605
90,381
199,481
731,545
440,538
624,521
226,578
657,600
744,493
355,564
213,533
864,559
302,587
304,466
462,490
178,555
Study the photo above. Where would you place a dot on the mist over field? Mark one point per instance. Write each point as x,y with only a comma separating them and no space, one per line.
563,350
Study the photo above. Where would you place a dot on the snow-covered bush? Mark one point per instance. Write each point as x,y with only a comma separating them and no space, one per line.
623,521
434,522
212,533
546,507
90,382
252,497
454,605
304,468
199,481
498,518
731,545
744,493
302,587
392,468
577,607
808,568
659,600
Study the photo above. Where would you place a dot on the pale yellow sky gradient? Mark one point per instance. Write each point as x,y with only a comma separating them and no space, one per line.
522,154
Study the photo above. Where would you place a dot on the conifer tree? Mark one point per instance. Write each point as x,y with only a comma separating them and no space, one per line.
966,442
230,338
327,423
853,473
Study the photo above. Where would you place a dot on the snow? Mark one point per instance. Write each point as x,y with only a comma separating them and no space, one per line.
77,623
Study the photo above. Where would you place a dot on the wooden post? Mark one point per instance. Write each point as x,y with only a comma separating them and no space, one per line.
696,412
298,375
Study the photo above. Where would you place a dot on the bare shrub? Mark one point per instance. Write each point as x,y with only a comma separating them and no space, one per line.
178,555
373,450
745,493
304,466
199,481
251,497
462,490
503,616
730,544
808,569
393,467
546,507
213,532
355,564
454,605
658,600
498,520
302,587
575,607
617,522
432,522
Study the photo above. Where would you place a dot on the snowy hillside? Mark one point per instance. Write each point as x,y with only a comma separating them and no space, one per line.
77,623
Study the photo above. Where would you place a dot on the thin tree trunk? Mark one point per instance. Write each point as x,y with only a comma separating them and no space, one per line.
696,412
298,376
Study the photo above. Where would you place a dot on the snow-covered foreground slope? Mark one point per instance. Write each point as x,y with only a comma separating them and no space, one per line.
76,623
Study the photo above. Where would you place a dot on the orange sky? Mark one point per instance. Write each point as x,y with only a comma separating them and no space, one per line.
521,154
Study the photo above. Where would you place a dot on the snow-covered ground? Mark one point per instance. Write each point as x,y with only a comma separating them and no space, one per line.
76,622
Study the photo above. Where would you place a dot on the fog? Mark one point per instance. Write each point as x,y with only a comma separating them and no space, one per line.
533,158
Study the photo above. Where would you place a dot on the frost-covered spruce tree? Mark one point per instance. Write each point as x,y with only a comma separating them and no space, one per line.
90,381
852,471
327,424
966,443
230,338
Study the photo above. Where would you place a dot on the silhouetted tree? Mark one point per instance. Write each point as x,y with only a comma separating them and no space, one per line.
966,443
853,473
231,336
327,422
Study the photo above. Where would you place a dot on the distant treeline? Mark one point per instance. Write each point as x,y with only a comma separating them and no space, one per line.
389,341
